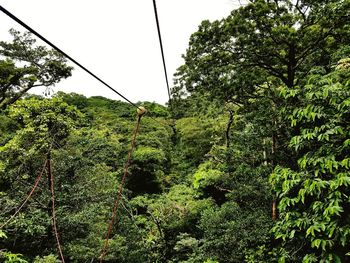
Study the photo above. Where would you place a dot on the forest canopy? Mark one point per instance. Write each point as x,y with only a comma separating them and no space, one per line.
249,162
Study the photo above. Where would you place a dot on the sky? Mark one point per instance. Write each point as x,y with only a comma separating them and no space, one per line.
116,40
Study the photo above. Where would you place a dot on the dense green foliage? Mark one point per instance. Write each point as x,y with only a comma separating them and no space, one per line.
24,65
251,164
315,197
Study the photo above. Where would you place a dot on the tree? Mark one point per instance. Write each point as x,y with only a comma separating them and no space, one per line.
170,221
24,65
44,126
271,42
314,197
248,59
245,58
230,233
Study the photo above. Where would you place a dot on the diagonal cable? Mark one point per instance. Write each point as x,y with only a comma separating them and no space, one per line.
73,60
63,53
161,48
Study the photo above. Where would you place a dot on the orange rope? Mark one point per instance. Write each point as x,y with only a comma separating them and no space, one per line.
49,168
37,180
120,190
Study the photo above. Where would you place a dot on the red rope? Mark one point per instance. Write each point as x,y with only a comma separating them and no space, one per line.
49,168
37,180
120,190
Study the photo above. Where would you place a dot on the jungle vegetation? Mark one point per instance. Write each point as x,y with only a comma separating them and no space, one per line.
248,162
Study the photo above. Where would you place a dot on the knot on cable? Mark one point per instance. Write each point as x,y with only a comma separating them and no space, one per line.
141,111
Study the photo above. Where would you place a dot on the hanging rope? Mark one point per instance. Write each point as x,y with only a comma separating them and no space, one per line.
37,180
52,186
140,111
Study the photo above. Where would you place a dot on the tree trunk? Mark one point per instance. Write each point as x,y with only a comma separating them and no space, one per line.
273,163
274,210
229,124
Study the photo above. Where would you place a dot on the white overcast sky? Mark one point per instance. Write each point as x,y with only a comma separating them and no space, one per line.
116,39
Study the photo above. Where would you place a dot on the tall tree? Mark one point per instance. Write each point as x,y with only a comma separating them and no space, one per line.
24,65
275,42
314,220
251,56
44,126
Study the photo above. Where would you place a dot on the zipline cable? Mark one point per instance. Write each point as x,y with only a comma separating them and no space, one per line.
161,48
52,187
37,180
63,53
121,186
8,13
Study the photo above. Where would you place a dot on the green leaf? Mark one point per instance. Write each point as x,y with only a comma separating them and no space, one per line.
2,234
